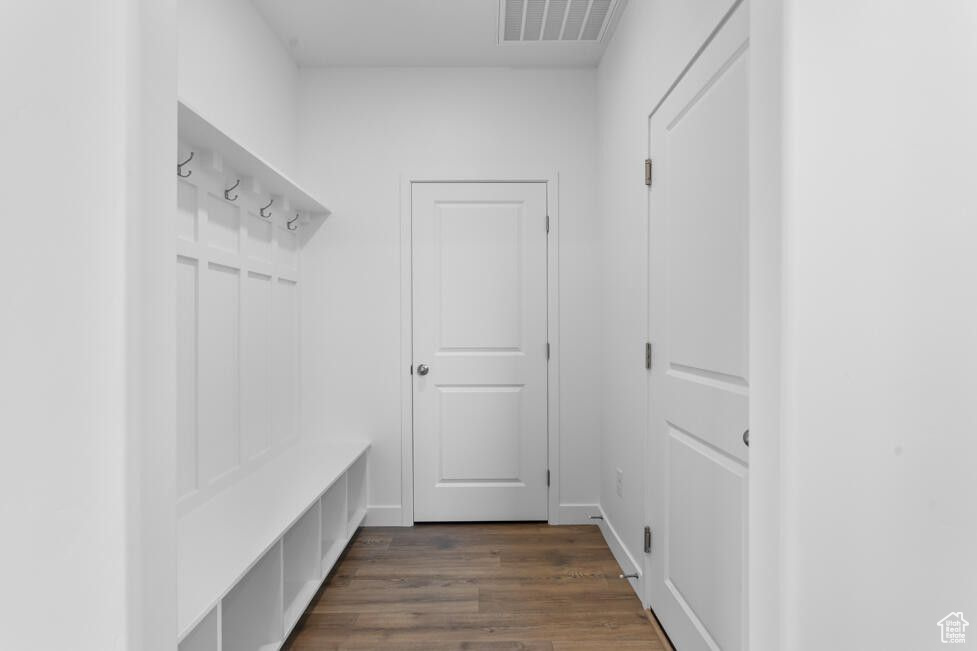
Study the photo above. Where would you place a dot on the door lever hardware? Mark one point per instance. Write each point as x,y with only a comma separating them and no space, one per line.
422,369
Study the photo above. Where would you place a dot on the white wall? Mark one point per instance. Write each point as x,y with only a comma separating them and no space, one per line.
653,42
85,395
361,129
237,73
880,330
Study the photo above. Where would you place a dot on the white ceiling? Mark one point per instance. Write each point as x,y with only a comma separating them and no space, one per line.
411,33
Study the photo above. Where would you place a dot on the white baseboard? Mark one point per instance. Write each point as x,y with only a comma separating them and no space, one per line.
383,515
622,555
576,514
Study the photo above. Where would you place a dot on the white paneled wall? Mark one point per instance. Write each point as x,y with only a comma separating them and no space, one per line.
237,314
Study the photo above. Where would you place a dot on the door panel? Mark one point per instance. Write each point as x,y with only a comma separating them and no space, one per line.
705,515
480,275
699,389
479,306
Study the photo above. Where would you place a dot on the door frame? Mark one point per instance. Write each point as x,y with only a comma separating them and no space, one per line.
552,180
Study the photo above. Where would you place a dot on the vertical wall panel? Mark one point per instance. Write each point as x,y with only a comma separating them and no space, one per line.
256,342
219,372
224,225
186,371
286,361
258,244
186,211
288,251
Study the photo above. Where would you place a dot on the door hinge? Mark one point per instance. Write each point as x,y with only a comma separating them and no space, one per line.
547,223
648,355
547,350
648,172
647,540
412,369
547,477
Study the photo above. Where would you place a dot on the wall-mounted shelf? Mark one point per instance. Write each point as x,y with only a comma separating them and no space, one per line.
250,559
211,146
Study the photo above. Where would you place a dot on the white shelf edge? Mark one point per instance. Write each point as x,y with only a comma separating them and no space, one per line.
197,131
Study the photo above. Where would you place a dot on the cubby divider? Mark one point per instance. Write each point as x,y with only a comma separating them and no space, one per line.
302,561
356,490
334,524
251,612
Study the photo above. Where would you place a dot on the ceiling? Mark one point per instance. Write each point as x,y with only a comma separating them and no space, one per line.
413,33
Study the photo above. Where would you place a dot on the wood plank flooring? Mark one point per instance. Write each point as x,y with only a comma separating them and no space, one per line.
476,586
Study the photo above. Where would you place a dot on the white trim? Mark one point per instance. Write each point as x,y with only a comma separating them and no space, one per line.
406,357
622,555
576,514
552,181
384,515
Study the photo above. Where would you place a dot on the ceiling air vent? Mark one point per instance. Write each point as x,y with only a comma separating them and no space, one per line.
523,21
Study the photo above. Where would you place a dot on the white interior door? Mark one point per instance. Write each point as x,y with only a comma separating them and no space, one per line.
698,211
479,307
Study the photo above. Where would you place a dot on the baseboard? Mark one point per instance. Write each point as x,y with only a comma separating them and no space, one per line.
391,515
576,514
383,515
621,554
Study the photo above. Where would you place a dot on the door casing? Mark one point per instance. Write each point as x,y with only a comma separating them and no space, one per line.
551,179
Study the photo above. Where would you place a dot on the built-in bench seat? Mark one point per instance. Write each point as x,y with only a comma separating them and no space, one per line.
251,558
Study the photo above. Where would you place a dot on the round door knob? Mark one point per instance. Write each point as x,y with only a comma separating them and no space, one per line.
422,369
746,438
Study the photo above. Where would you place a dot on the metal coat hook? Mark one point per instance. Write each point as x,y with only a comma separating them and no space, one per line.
179,168
262,210
289,223
227,192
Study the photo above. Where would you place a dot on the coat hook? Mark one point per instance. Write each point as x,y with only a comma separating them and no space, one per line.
262,210
179,168
289,223
227,192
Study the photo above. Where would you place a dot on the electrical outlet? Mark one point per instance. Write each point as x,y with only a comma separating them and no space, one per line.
620,482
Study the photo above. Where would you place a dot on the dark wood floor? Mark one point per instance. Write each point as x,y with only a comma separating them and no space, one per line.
476,586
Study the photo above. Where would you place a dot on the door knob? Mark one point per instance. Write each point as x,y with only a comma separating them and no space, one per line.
746,438
422,369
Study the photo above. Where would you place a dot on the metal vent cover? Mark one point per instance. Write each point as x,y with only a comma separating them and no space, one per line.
554,21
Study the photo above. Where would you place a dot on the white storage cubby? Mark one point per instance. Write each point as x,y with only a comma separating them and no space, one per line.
302,560
356,502
206,635
334,524
251,611
251,559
